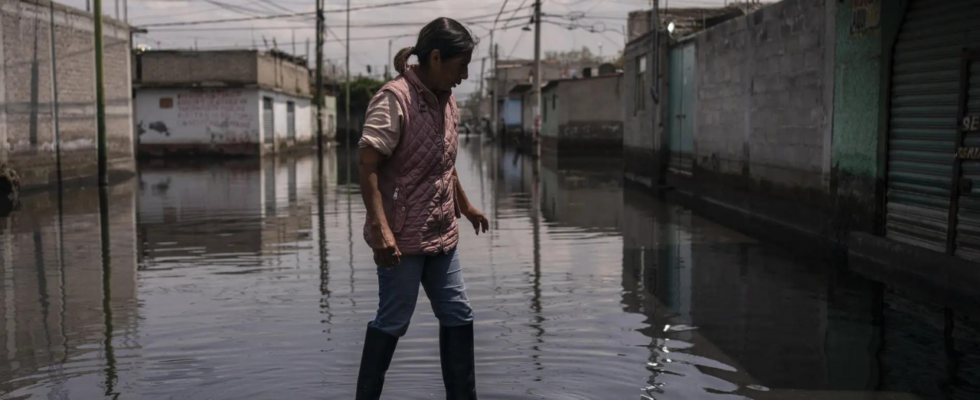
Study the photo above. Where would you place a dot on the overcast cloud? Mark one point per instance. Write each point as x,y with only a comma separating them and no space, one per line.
608,15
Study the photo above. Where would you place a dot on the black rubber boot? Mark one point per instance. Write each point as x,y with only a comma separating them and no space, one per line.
375,359
456,354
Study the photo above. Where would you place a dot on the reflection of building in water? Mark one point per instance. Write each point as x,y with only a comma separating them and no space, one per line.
232,207
582,195
54,324
780,321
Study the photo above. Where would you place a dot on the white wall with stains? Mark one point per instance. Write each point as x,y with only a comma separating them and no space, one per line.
198,116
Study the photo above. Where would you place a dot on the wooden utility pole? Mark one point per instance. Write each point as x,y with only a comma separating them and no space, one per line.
535,140
100,93
320,22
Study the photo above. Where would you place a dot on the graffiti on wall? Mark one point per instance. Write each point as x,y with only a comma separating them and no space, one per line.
592,130
865,16
224,114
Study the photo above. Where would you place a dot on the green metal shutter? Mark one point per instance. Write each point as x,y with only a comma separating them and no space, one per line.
923,118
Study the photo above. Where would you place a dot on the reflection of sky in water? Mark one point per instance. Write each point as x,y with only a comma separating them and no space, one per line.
234,280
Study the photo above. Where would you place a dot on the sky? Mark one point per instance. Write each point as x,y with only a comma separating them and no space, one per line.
369,44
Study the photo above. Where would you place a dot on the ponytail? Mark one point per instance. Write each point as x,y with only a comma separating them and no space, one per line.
401,59
451,38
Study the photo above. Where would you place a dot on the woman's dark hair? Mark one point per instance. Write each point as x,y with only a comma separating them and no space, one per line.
447,35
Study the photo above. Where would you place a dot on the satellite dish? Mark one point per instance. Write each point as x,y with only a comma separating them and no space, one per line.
671,27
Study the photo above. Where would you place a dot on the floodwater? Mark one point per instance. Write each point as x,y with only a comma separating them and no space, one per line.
242,280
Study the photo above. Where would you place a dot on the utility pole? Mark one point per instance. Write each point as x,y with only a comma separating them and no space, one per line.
319,76
390,61
495,88
535,140
479,106
494,108
347,95
100,94
126,11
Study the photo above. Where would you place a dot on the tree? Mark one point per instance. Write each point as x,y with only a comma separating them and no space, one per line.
573,56
362,90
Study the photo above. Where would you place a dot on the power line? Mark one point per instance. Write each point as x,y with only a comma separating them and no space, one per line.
502,6
363,26
263,17
519,38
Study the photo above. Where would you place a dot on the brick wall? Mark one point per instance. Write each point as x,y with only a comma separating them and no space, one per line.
27,87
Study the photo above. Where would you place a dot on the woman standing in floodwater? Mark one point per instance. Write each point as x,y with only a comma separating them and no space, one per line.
413,198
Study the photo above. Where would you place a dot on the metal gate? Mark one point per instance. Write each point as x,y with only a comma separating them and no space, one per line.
931,201
268,121
681,107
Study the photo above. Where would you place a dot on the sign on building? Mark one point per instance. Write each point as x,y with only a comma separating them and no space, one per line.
865,16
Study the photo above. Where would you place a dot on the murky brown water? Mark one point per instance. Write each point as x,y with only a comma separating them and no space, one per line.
235,280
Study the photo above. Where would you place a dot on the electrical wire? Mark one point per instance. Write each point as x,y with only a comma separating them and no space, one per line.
502,6
263,17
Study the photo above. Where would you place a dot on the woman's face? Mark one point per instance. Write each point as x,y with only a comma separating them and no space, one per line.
449,72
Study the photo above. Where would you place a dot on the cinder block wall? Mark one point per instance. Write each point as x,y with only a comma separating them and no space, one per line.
763,104
34,46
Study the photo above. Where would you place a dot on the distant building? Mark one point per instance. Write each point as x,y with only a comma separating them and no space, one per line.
583,116
239,102
513,77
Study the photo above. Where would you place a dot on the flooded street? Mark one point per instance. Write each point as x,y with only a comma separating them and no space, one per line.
242,280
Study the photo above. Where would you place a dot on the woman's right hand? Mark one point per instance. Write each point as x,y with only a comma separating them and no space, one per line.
386,253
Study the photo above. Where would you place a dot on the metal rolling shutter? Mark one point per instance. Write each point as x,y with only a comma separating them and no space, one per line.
268,120
923,120
968,216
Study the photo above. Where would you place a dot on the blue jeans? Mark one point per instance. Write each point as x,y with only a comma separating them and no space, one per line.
398,288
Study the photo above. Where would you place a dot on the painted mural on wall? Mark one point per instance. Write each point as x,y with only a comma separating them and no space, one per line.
865,16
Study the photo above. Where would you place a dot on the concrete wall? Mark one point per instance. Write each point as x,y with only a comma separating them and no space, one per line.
28,85
217,121
763,116
198,121
282,75
643,131
237,67
763,109
587,119
304,114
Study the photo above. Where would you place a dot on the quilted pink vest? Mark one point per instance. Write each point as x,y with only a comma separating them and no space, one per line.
417,186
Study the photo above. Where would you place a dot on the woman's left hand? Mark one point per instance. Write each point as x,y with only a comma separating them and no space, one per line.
477,219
